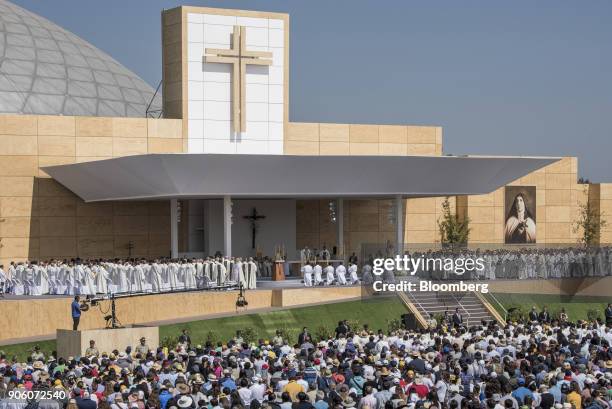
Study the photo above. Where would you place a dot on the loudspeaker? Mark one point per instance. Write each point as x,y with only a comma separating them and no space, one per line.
409,321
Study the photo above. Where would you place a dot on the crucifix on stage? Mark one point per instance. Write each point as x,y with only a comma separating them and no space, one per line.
239,57
253,217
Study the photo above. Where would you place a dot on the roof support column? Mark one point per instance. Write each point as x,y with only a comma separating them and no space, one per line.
340,229
399,223
227,226
173,228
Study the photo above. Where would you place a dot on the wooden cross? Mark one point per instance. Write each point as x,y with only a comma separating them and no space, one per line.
239,57
253,217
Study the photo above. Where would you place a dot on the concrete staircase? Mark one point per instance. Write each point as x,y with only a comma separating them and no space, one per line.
470,305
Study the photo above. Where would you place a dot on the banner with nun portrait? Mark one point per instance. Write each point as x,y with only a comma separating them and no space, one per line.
520,215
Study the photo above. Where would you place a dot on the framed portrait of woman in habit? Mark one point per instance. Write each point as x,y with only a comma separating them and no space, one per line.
520,215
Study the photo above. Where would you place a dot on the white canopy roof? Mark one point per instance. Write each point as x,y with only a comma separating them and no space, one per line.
166,176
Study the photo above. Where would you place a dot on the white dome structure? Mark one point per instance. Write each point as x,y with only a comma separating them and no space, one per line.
47,70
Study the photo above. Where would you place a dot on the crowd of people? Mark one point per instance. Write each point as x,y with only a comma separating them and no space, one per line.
538,363
521,263
91,277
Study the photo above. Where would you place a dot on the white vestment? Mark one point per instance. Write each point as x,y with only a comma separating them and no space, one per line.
156,277
329,274
237,275
353,273
101,280
341,274
138,279
250,275
307,273
318,275
190,276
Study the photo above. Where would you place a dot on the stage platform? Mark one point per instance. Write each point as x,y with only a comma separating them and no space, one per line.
24,319
28,318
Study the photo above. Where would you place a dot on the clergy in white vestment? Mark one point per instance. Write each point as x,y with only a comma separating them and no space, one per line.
53,276
124,278
173,271
156,276
190,275
199,273
102,279
221,273
79,279
228,263
341,274
318,275
307,274
138,279
69,278
352,270
329,274
250,274
89,285
236,273
207,270
41,279
27,272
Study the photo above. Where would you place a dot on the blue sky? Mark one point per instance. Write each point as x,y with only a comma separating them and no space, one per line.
518,77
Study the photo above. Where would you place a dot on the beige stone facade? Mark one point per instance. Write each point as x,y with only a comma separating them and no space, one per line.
371,221
40,219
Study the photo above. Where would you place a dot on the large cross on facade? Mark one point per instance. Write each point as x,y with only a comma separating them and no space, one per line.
239,57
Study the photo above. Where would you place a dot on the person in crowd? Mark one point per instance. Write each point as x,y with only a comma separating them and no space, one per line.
549,363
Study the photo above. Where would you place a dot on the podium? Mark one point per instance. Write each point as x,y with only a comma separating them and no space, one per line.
279,271
74,343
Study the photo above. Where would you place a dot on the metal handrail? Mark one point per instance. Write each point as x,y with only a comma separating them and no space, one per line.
414,300
500,304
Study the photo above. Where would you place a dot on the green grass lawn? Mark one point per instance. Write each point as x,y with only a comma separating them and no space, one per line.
575,306
374,312
25,349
